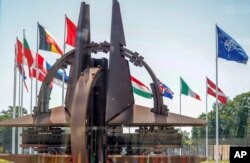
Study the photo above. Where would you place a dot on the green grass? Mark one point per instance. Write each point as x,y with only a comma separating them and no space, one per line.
212,161
4,161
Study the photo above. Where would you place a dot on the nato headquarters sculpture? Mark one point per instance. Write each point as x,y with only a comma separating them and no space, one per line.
99,101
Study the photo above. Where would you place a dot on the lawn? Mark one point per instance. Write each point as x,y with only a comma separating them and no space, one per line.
212,161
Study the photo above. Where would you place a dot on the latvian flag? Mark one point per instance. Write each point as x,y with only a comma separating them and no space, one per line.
211,90
140,89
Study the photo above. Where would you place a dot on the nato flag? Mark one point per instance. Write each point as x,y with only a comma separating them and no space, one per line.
229,49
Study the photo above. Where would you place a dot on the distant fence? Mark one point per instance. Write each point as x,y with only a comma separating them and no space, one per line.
200,150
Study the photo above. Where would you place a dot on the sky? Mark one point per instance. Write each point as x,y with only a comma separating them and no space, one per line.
176,38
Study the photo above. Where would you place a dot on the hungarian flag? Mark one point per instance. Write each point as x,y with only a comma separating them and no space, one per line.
19,56
28,55
140,89
186,90
47,42
71,32
211,90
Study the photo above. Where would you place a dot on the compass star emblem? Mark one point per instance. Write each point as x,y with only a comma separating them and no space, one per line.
229,45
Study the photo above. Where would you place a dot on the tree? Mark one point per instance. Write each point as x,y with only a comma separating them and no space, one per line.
233,119
6,132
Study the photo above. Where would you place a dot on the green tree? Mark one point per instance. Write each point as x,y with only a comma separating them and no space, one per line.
233,119
6,132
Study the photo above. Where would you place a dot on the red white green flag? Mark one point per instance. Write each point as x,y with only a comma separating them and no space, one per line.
140,89
186,90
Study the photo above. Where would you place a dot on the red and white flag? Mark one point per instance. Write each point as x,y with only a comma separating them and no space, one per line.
39,72
211,90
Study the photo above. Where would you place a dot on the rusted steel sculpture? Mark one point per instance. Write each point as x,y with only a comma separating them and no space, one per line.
99,99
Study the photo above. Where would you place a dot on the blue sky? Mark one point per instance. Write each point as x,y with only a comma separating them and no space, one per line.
176,38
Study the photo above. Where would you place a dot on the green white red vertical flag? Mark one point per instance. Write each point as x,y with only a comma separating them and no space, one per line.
186,90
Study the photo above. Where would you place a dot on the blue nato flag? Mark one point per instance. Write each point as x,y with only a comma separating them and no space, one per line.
229,49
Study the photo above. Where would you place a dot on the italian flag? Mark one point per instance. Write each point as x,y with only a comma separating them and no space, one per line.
140,89
186,90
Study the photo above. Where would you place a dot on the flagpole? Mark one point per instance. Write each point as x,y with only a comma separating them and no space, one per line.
21,108
64,49
36,68
180,96
31,85
180,107
22,76
207,125
14,105
217,114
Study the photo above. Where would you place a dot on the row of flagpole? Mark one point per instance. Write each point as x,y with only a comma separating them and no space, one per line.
189,91
227,48
20,87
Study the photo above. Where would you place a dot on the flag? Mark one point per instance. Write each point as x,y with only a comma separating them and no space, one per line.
186,90
47,42
71,32
28,55
140,89
19,61
19,56
38,71
166,91
229,49
22,72
211,90
58,80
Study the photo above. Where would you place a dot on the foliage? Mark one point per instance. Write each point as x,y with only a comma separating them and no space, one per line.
186,140
233,119
6,132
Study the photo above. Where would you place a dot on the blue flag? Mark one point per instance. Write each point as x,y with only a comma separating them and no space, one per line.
59,74
229,49
166,92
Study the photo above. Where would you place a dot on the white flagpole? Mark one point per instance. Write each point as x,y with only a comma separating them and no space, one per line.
217,112
180,95
21,108
36,68
64,49
180,106
19,105
14,105
31,85
22,76
207,125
